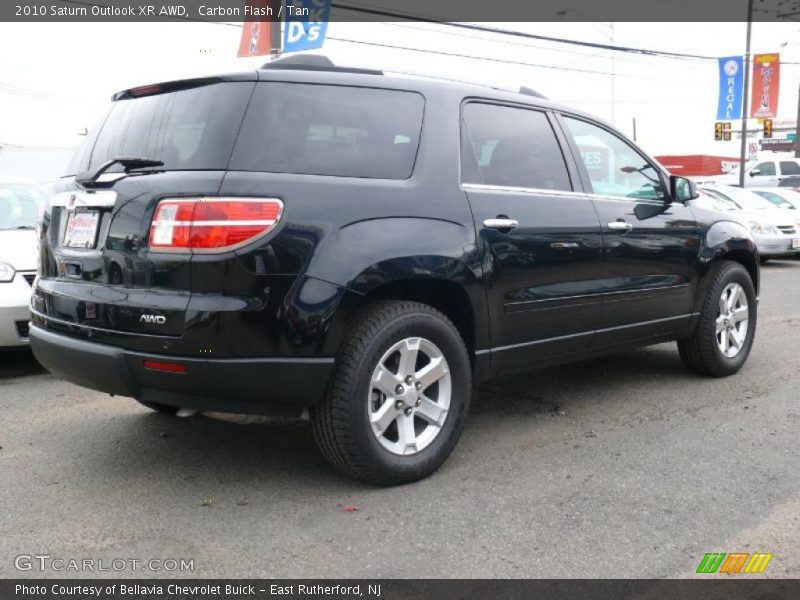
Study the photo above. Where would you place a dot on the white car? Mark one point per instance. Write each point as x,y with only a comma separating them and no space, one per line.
776,231
20,202
759,173
780,197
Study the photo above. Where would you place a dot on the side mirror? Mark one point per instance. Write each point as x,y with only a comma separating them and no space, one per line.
682,189
755,172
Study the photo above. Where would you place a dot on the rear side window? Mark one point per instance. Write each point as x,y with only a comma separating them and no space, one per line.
789,167
330,130
511,147
190,129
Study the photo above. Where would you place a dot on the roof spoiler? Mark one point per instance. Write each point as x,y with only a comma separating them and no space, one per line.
314,62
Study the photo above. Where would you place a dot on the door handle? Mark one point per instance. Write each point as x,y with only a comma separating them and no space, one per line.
620,226
501,222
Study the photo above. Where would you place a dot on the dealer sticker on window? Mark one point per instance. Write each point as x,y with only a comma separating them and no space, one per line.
82,229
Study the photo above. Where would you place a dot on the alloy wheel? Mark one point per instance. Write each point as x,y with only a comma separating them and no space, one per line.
409,396
733,316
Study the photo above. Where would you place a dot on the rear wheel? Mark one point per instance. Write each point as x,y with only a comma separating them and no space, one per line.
399,396
724,334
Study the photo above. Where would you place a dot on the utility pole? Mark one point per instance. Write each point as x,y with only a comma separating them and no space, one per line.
797,130
613,76
746,92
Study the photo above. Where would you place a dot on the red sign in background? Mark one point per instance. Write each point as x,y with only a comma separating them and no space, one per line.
259,37
766,83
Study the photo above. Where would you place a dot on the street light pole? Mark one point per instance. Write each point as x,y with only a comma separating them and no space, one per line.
797,130
746,92
613,77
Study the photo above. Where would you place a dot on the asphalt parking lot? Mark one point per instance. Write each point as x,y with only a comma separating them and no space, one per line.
626,466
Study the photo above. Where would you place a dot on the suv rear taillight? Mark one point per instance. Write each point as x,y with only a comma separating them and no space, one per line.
212,224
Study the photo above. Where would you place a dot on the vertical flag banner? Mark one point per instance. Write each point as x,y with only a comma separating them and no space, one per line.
731,84
306,24
260,37
766,82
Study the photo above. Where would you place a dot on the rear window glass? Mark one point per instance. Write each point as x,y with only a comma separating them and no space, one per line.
19,205
790,168
190,129
330,130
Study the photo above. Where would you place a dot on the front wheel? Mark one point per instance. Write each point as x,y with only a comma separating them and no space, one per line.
399,396
724,334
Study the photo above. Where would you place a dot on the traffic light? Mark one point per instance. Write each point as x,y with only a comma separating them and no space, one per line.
718,131
726,132
767,128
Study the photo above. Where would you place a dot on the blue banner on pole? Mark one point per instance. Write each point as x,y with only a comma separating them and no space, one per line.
306,24
731,79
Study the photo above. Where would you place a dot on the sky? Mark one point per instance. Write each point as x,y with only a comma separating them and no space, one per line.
56,78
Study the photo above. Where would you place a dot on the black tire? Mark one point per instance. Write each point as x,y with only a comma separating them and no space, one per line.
341,421
700,352
161,408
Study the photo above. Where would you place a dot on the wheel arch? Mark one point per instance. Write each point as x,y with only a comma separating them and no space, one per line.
459,296
731,241
444,295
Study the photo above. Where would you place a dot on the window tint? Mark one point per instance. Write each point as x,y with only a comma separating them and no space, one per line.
774,198
614,167
330,130
186,129
789,167
512,147
765,169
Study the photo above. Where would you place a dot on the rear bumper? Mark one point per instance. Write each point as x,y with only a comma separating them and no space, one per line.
265,386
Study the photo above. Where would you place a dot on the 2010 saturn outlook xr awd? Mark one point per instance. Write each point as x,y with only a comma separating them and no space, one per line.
363,247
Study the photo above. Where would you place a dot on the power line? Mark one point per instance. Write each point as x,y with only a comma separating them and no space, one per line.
412,16
509,42
521,34
490,59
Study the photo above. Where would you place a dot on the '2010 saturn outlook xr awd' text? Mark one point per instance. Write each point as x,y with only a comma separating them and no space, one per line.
365,248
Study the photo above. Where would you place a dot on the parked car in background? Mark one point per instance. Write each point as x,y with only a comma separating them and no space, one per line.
775,230
780,197
20,204
759,173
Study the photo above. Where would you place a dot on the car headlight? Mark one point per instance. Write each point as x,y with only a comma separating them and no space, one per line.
763,228
7,272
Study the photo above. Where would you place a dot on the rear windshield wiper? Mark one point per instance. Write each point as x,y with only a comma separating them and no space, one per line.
129,163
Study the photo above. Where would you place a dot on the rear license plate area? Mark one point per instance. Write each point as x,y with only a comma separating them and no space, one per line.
81,231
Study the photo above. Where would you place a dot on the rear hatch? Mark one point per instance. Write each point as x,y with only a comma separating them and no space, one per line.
96,268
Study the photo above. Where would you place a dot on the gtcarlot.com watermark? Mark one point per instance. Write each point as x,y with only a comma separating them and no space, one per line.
46,562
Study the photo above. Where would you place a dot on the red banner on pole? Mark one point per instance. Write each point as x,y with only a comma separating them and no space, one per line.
766,83
263,36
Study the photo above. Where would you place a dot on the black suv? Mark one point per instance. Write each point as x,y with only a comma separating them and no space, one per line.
363,248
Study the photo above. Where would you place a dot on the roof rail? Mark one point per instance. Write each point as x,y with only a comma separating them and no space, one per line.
314,62
531,92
